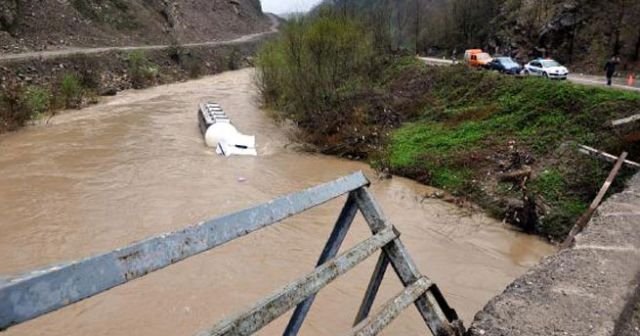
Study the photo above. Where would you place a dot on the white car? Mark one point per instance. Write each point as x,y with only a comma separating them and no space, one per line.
546,68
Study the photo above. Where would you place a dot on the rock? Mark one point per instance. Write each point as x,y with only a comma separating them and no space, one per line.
111,91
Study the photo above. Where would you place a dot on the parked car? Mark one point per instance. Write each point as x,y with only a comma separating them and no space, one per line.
505,65
546,68
476,58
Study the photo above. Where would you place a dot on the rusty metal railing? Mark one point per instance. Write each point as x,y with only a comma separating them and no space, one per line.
40,292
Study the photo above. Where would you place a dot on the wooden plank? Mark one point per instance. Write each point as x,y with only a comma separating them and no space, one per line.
372,289
43,291
623,121
267,310
584,219
605,156
331,248
390,311
436,313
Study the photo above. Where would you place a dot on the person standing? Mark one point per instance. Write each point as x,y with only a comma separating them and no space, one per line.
610,68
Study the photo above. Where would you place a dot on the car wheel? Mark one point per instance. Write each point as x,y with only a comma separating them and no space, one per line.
526,72
545,75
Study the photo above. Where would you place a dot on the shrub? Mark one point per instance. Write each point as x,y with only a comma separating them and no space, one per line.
315,68
71,91
88,70
37,100
143,73
13,114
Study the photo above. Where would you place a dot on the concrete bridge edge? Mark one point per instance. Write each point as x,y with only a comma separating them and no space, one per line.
591,289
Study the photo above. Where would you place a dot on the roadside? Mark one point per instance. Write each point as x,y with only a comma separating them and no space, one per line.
592,80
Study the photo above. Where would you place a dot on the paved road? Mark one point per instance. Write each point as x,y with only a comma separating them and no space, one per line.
575,78
65,52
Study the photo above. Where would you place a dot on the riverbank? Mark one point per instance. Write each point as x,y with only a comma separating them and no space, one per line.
590,289
35,88
506,144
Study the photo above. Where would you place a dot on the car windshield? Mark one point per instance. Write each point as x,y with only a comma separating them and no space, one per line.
549,64
483,57
507,61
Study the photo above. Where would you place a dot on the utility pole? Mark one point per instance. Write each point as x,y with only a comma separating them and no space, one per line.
418,18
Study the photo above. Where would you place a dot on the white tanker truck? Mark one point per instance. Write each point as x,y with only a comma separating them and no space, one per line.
220,134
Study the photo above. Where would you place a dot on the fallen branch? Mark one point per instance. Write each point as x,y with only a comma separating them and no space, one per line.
584,219
605,156
516,175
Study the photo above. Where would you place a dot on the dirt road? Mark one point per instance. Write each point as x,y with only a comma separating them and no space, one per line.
66,52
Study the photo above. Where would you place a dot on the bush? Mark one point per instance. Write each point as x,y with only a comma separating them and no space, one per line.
37,100
314,69
88,70
13,114
143,73
71,91
234,59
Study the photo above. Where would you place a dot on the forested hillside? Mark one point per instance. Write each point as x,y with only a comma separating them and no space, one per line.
580,32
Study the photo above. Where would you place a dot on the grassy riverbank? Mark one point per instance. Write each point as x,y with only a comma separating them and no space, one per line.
509,143
506,143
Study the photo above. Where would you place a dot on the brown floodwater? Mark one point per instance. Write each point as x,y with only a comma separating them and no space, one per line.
135,165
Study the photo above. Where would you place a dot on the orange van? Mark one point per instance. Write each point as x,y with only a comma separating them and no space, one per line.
476,58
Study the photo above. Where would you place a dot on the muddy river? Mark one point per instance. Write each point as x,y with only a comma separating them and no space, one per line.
135,165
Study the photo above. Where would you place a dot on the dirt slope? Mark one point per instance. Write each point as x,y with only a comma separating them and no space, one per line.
34,25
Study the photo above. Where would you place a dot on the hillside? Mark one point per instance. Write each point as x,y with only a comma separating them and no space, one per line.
34,25
583,33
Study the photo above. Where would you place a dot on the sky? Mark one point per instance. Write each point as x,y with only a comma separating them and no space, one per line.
288,6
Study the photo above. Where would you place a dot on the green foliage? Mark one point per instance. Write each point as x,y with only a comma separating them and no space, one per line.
316,66
71,91
37,100
550,184
143,73
472,112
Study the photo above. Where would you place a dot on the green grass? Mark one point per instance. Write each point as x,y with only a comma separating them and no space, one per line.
413,140
37,100
471,113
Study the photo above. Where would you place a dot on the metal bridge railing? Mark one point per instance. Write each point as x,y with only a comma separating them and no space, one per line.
40,292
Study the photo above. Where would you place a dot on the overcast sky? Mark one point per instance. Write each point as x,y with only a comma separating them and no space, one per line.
288,6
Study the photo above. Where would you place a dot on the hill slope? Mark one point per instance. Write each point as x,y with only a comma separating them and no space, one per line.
580,32
27,25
